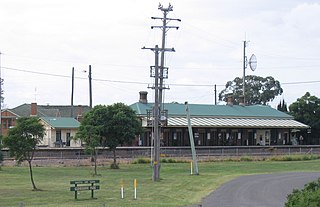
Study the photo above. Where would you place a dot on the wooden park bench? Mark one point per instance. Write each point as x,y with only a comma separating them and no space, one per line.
82,185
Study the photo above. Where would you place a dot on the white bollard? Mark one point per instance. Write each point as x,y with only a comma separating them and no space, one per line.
121,190
135,188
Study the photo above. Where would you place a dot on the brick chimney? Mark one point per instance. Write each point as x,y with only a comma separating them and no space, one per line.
230,100
143,97
34,110
79,112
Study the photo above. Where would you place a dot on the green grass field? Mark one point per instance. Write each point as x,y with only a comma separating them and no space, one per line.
177,187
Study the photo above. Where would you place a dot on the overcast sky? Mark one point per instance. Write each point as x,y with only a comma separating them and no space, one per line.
41,41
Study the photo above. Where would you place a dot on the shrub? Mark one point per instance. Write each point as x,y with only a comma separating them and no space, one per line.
114,166
309,196
170,160
142,161
246,158
163,160
310,157
294,158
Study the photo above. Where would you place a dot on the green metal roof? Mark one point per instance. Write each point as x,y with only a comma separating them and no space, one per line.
203,110
61,122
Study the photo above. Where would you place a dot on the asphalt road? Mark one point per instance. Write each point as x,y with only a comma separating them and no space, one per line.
263,190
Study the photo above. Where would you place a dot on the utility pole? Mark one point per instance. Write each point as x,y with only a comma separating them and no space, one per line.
72,91
90,86
156,115
159,73
164,29
244,70
252,64
215,94
193,149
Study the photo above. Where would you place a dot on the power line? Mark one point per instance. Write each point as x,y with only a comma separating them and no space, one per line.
141,83
39,73
67,76
309,59
300,82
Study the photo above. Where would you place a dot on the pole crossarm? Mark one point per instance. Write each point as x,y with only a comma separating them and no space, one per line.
154,87
161,27
159,49
169,19
155,49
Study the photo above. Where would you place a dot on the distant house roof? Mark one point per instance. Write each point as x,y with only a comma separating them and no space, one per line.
205,110
24,110
61,122
7,113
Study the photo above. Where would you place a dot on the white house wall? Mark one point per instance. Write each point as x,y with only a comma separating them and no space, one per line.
52,138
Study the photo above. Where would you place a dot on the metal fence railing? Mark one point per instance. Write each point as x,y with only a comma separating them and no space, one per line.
136,152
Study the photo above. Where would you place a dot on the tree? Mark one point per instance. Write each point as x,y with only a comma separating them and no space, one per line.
122,127
91,131
108,126
258,90
307,110
89,135
282,106
23,139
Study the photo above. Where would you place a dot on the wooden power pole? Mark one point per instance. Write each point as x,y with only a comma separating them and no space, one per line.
159,72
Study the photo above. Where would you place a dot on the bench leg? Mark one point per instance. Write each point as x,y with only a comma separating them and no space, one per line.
75,192
92,190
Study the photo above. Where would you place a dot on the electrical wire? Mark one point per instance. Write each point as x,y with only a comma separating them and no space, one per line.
143,83
142,67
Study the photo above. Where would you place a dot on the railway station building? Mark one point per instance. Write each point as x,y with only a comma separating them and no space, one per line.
219,125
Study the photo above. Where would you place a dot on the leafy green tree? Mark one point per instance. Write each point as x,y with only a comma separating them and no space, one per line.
109,126
23,139
282,106
307,110
89,134
91,131
122,127
258,90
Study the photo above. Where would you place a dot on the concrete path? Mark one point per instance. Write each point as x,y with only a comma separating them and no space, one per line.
263,190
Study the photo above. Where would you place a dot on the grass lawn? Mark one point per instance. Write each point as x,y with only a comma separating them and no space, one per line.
177,187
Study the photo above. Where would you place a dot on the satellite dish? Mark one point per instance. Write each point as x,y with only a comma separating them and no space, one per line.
253,62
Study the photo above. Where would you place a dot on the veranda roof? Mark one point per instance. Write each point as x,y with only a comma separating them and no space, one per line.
236,122
61,122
